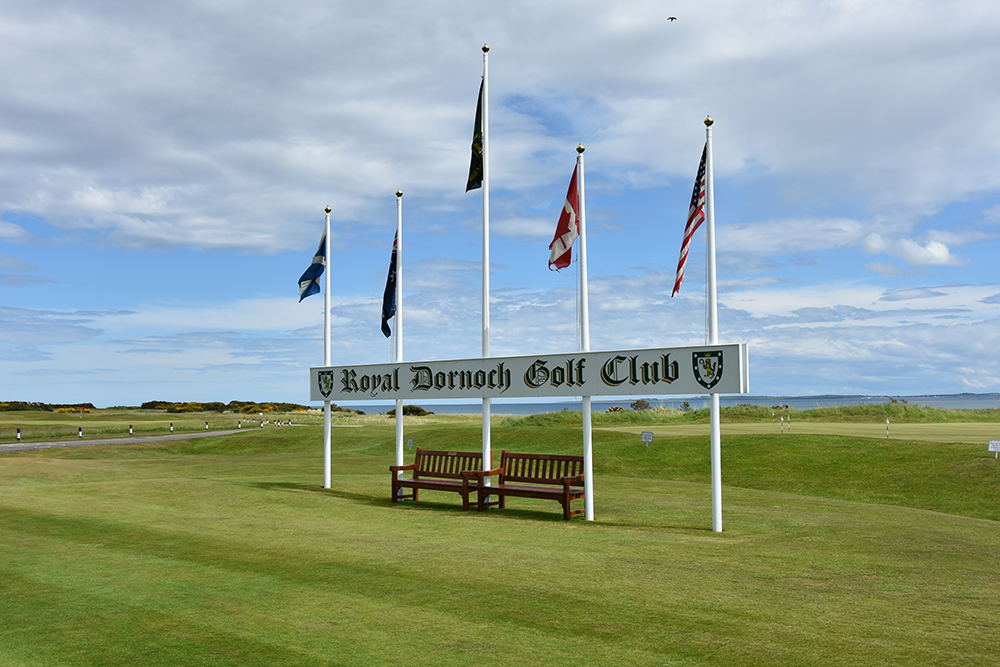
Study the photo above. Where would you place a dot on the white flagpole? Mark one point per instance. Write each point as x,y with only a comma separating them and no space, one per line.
327,427
399,325
487,403
713,329
588,449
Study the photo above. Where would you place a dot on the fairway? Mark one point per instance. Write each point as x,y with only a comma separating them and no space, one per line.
227,551
974,432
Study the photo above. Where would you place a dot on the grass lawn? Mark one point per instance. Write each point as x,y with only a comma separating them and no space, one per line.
837,550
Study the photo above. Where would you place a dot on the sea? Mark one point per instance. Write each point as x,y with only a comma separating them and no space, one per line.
499,407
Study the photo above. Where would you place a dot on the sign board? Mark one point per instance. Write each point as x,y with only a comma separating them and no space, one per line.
647,436
994,446
714,369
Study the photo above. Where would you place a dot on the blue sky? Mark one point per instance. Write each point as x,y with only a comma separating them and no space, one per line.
164,168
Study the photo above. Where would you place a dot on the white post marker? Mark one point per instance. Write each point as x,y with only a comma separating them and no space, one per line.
713,328
886,428
399,326
487,402
782,423
994,447
327,427
588,437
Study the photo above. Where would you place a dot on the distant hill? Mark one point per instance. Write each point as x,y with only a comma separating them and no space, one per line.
246,407
10,406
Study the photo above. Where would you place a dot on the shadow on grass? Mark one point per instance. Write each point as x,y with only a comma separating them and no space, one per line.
319,490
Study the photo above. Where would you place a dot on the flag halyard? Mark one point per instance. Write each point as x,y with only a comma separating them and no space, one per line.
309,281
389,296
696,215
567,230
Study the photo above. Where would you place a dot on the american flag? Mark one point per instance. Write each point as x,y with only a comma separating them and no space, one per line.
696,216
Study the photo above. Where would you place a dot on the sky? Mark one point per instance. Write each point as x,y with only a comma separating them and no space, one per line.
164,169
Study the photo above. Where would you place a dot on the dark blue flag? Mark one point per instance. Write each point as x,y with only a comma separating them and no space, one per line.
476,166
309,282
389,296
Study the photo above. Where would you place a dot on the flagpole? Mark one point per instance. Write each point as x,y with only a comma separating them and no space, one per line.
588,449
327,427
399,326
713,329
487,403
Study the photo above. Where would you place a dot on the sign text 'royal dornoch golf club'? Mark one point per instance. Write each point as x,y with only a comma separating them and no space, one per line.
712,369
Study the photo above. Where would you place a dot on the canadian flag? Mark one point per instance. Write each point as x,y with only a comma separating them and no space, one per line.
567,230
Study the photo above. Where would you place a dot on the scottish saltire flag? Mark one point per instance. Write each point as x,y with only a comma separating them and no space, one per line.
389,296
568,229
309,282
696,216
476,167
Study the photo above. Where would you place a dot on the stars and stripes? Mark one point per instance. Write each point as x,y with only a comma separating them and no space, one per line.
696,215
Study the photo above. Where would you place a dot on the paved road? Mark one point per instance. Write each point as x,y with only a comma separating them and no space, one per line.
23,446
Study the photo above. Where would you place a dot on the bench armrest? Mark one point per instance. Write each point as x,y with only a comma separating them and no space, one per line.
483,473
575,479
411,466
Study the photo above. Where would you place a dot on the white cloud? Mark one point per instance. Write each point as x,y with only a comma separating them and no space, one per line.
934,253
889,270
11,233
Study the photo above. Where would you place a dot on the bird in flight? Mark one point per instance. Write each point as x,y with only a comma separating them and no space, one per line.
671,18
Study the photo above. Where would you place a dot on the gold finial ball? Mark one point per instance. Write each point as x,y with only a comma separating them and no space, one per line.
399,193
327,209
708,121
486,48
580,148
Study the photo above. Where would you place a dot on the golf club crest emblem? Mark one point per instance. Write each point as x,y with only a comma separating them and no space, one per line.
325,380
707,368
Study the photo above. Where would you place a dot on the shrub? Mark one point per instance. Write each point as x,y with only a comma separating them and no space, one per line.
410,411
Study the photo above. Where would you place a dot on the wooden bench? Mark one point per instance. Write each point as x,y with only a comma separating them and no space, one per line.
439,471
554,476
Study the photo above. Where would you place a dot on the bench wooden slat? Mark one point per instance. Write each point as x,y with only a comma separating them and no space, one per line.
521,474
439,471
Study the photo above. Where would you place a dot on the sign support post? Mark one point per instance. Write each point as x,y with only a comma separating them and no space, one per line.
487,402
588,432
399,325
327,426
713,330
